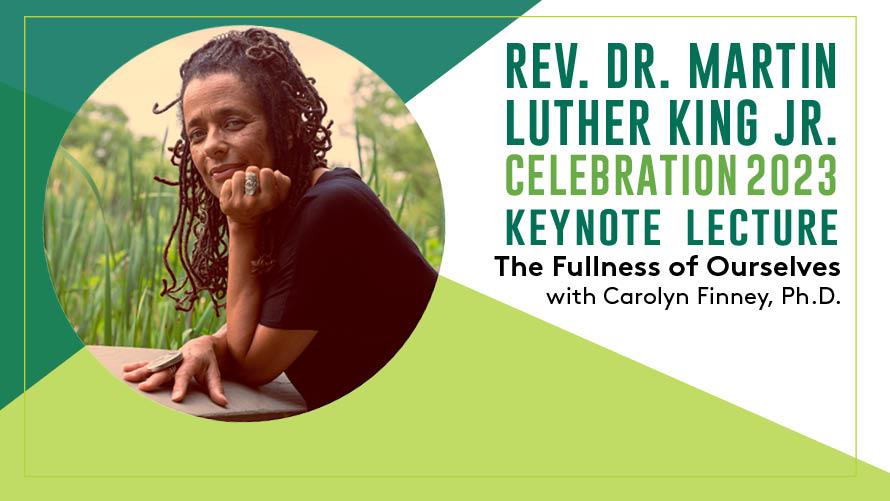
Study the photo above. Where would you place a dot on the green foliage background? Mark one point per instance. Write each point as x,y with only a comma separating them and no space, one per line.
106,220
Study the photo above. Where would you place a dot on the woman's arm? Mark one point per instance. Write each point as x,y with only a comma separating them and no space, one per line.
243,292
271,352
207,360
241,349
256,353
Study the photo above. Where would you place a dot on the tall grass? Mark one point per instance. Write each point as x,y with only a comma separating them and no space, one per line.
105,228
104,234
426,227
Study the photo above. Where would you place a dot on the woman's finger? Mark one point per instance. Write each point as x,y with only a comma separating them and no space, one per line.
155,381
225,193
215,386
137,375
237,188
267,185
283,183
134,365
181,381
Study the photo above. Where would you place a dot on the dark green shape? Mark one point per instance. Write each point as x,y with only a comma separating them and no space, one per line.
50,338
68,58
11,207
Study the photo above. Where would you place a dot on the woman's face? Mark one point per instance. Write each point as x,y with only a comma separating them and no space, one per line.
226,127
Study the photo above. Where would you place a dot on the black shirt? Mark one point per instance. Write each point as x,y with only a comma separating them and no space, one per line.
344,268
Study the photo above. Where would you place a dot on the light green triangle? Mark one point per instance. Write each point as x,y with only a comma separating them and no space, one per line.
482,395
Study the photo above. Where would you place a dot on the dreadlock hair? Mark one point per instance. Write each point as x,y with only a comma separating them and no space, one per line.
299,140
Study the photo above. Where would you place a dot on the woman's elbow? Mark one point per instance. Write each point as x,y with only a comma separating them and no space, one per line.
256,377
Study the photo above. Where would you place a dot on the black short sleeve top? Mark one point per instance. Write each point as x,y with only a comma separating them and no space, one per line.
343,267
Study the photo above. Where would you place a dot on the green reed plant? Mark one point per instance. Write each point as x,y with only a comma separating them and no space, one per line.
106,222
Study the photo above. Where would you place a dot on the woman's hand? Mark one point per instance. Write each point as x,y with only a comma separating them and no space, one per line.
273,188
199,362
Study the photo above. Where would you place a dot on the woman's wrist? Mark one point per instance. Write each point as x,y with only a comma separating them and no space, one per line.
221,351
238,227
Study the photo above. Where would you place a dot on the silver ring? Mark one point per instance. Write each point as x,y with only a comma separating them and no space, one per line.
250,184
165,361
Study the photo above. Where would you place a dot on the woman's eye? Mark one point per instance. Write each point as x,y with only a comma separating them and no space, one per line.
196,135
234,124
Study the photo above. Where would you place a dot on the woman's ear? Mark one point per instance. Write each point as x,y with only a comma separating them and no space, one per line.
290,141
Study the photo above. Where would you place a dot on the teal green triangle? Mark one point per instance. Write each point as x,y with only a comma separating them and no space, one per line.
408,54
68,58
12,296
50,338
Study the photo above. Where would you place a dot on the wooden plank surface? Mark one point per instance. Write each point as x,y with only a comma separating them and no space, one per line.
275,400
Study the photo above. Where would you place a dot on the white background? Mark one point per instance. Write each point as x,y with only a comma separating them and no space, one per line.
791,364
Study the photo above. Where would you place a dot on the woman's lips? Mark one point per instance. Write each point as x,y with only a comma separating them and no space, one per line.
226,173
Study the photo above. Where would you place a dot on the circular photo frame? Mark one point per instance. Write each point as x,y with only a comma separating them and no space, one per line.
243,223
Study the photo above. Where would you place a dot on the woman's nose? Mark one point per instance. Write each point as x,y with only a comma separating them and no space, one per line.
215,143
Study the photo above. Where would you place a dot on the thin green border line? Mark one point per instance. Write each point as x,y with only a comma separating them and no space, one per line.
855,249
856,241
462,477
440,17
24,237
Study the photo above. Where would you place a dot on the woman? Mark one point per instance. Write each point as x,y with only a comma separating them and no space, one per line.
319,282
